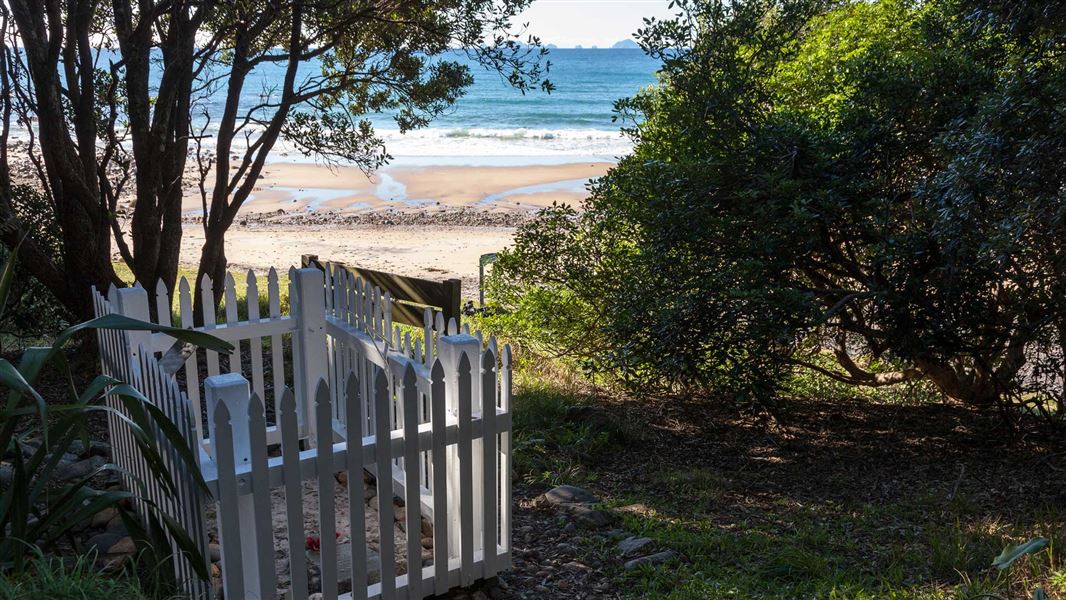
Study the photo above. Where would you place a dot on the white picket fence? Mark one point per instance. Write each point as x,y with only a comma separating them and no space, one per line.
302,381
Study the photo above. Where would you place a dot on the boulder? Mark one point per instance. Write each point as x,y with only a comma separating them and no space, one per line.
568,494
632,545
652,559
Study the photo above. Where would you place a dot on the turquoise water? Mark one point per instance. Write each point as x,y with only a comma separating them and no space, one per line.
493,120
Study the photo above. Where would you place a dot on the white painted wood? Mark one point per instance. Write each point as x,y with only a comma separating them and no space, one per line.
427,335
387,543
466,484
490,473
133,302
413,493
290,452
356,506
277,356
192,370
228,502
438,414
207,303
506,501
162,304
255,347
236,361
311,362
261,505
327,522
442,441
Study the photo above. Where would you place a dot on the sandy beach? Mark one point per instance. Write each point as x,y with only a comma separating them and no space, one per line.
425,221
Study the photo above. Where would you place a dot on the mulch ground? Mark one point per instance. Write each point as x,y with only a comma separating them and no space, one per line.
816,454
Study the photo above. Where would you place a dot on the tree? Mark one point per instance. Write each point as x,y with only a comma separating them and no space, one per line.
113,96
872,190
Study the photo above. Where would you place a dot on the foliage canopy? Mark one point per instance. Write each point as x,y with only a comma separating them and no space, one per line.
879,183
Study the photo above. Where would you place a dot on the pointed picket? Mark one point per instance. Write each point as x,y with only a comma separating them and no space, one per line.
383,447
236,361
229,525
488,466
255,344
264,528
452,326
356,505
505,450
427,335
412,489
192,370
290,452
466,475
439,423
277,356
207,302
162,304
327,521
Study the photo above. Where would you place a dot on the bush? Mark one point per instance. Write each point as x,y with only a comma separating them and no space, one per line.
879,182
37,508
31,310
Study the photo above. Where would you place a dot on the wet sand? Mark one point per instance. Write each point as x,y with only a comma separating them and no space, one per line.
431,221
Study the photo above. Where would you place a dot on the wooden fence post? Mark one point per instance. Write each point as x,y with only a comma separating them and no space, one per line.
231,444
133,302
452,349
310,362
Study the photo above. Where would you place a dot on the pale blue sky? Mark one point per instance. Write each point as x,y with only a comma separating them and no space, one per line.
567,23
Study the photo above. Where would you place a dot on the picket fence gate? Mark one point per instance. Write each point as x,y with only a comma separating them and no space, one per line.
324,384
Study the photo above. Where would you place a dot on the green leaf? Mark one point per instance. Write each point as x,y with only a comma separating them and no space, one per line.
113,321
1013,553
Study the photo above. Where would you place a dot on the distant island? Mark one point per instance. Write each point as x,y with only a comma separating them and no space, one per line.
626,44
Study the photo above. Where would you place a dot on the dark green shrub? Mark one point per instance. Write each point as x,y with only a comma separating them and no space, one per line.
878,182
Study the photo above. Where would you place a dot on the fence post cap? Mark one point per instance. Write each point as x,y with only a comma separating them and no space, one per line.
225,380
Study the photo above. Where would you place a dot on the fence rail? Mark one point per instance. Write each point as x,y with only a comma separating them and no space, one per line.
334,387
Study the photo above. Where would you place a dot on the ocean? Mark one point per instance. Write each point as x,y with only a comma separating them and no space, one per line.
493,123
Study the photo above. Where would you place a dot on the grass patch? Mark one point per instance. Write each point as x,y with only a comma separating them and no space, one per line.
850,499
77,579
240,288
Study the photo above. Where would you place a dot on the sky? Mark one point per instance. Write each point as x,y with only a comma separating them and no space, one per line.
568,23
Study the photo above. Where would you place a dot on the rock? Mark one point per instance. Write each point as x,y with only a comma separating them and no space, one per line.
399,515
95,448
341,477
632,545
214,552
652,559
568,494
587,516
427,542
77,470
102,518
427,527
102,543
570,527
125,545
